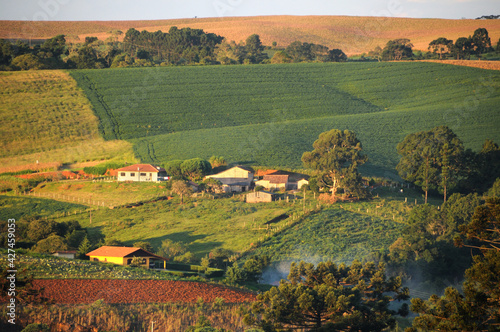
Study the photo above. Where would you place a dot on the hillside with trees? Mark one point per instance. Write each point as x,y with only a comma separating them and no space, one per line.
353,35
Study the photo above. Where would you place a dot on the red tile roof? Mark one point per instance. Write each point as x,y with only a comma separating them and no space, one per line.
276,178
110,251
141,168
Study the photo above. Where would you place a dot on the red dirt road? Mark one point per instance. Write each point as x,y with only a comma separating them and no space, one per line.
75,291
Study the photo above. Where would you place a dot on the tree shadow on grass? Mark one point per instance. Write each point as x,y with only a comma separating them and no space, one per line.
198,248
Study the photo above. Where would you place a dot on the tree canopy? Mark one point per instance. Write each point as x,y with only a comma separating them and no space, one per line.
328,297
478,307
336,156
431,159
441,46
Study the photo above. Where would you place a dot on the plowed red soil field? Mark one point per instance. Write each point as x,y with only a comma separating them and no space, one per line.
74,291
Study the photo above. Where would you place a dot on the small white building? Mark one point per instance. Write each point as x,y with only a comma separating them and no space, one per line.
70,254
141,173
283,180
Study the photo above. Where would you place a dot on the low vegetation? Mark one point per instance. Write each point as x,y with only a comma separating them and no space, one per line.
47,121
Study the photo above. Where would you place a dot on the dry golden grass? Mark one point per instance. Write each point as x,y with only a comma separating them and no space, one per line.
490,65
353,35
45,117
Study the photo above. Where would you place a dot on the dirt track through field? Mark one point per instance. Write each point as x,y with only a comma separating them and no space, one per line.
75,291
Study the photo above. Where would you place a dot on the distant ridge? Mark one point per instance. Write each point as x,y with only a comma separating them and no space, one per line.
352,34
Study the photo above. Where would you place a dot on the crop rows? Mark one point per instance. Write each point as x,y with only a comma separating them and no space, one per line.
270,115
333,234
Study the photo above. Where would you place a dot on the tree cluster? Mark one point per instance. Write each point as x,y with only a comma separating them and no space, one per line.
193,169
436,160
308,52
251,271
142,48
477,44
175,47
477,307
46,235
328,297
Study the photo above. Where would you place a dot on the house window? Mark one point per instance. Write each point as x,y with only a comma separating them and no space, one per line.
143,261
96,259
132,174
129,261
122,174
143,174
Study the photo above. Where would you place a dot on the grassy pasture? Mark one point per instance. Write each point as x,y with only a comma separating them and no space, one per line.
334,234
201,224
16,207
269,115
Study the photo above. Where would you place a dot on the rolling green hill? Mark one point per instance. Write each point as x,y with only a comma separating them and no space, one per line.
269,115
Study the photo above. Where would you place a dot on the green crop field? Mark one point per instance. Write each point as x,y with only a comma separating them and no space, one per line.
269,115
333,234
45,120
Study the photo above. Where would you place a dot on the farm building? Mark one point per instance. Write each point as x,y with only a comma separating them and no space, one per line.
283,180
235,179
261,196
141,173
125,255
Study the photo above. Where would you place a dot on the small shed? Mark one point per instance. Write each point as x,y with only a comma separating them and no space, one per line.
261,196
70,254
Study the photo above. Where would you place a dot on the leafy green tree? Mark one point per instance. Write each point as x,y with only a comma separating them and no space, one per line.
230,53
431,159
40,229
347,298
220,258
144,245
441,46
376,53
486,165
463,47
418,241
173,167
51,244
28,62
217,161
495,189
181,188
254,266
170,249
481,42
75,238
54,47
254,49
235,274
397,49
336,153
478,308
281,57
195,168
336,55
